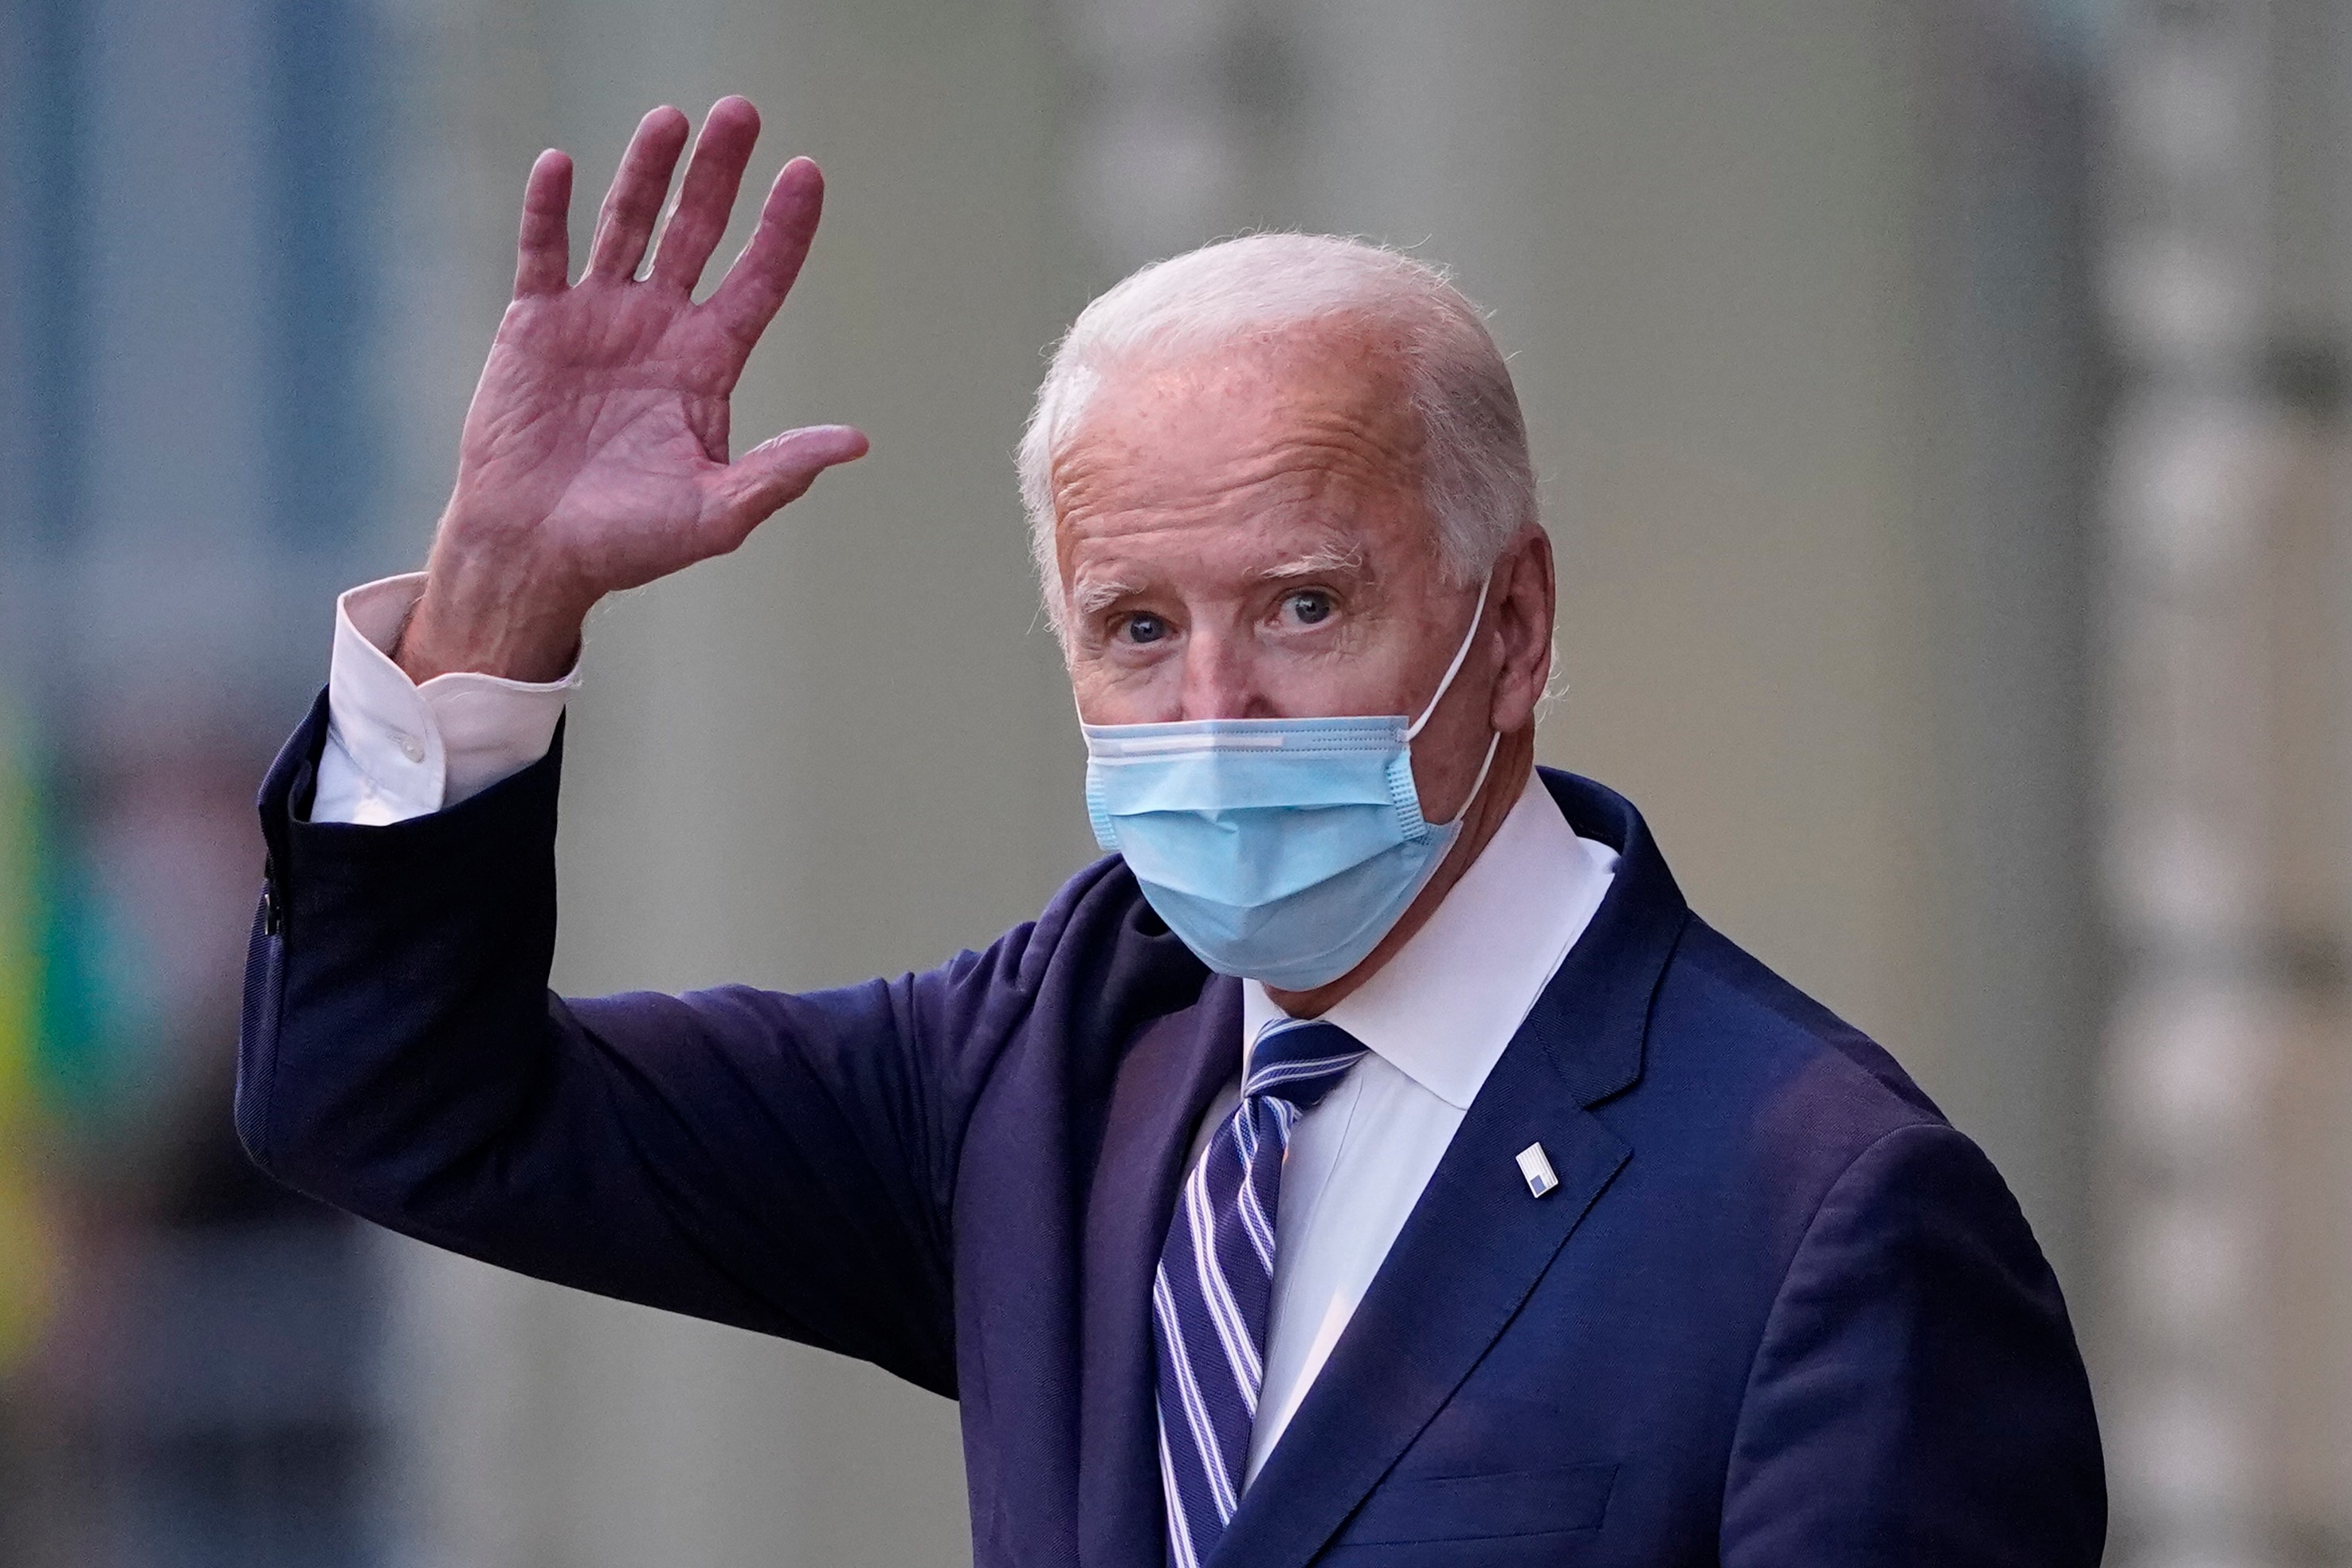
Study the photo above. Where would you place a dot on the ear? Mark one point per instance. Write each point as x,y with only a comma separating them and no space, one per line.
1526,598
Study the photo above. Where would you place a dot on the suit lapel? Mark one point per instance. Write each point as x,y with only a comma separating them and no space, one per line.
1477,1241
1473,1248
1164,1087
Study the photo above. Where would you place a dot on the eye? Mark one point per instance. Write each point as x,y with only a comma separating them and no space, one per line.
1143,628
1309,606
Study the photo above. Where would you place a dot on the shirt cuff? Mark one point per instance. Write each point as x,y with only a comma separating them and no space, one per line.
397,750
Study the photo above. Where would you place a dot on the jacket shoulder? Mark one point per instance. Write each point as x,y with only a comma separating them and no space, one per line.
1783,1017
1076,984
1733,1047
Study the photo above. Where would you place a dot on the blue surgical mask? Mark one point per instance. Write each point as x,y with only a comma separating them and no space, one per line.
1282,849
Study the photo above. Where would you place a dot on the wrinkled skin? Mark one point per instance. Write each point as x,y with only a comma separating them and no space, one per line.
594,457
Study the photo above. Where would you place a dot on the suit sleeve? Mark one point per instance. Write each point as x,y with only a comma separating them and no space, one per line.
783,1163
1918,1396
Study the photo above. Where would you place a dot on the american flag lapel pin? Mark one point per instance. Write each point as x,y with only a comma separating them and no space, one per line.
1537,1168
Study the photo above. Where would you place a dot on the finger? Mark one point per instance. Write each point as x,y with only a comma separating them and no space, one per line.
708,197
747,299
627,220
543,254
747,492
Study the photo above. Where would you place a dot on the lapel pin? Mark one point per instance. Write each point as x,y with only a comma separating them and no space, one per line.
1536,1169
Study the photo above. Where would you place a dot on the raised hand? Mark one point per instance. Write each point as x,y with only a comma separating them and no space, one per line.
595,453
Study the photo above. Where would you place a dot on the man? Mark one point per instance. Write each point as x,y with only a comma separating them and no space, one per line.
1372,1161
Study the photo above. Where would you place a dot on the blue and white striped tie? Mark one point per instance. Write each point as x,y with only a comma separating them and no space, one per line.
1217,1279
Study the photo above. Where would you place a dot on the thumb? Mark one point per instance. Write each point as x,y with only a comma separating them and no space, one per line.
744,493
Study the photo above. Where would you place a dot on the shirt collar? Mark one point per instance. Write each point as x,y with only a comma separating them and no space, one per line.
1444,1007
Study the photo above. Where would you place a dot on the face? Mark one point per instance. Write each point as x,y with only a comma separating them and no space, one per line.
1241,534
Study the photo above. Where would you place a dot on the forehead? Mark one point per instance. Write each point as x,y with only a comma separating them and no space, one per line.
1278,419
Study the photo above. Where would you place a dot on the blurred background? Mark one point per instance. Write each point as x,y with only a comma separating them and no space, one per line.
1941,409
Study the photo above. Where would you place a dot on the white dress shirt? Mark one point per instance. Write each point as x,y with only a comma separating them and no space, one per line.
396,750
1433,1020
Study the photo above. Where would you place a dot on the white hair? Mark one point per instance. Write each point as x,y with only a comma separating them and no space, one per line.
1476,474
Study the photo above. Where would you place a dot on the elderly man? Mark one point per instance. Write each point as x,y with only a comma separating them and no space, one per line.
1373,1160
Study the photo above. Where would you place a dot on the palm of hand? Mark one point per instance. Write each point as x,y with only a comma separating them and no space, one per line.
601,422
594,457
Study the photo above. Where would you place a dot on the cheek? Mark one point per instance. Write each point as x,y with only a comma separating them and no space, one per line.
1111,692
1344,677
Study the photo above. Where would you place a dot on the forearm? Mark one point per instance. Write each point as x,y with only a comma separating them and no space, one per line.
396,996
403,1059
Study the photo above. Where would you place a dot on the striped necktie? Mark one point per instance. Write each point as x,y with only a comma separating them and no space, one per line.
1216,1281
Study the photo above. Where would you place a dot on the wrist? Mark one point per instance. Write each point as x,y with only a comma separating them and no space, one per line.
497,617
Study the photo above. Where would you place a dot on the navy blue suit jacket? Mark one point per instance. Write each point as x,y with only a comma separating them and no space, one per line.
1777,1311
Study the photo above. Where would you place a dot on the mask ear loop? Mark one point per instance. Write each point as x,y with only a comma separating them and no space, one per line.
1495,740
1492,744
1459,655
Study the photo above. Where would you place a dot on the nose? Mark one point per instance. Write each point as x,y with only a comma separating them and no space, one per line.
1221,676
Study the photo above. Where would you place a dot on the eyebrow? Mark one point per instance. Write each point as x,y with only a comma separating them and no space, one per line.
1089,594
1316,562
